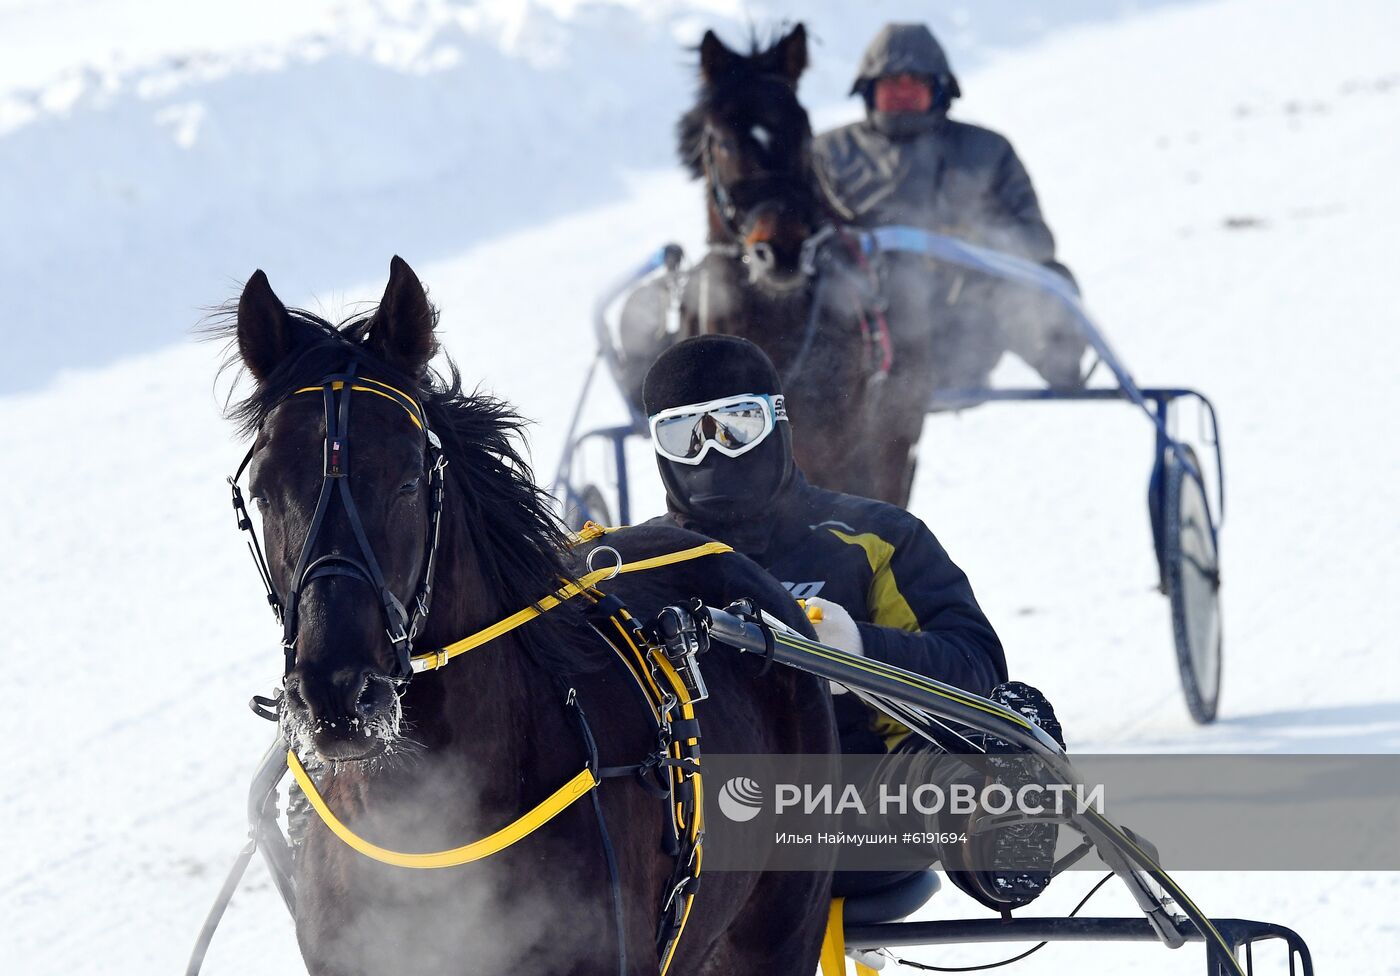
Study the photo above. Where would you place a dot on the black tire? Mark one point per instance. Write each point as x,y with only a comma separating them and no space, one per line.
592,506
1192,576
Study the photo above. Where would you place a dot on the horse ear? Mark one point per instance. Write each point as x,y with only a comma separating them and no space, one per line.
402,329
791,54
267,334
715,58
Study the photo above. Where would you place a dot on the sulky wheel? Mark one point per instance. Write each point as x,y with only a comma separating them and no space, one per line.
592,506
1192,570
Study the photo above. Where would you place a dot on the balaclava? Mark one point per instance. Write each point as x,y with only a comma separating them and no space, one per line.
720,494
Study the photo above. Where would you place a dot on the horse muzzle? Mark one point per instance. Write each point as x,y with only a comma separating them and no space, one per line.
772,245
343,715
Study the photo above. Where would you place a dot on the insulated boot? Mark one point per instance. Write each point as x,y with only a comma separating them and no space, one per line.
1009,866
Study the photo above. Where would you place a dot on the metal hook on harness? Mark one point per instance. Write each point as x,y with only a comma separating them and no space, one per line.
617,564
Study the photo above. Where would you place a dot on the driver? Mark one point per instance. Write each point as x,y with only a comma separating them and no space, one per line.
883,585
908,163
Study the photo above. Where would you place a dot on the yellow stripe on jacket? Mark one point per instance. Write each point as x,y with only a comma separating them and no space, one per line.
887,608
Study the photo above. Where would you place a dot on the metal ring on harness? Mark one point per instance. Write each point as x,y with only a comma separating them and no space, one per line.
617,566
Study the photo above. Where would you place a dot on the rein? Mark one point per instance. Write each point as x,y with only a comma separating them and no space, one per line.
664,668
566,795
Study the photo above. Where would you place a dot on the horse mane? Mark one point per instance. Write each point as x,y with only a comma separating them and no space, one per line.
521,545
737,87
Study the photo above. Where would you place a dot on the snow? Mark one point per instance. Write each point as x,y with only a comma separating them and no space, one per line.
1219,176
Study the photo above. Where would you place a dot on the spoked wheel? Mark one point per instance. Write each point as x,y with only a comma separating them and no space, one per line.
1192,569
592,506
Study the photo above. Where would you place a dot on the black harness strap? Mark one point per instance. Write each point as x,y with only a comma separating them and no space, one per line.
401,624
365,566
590,745
670,772
731,200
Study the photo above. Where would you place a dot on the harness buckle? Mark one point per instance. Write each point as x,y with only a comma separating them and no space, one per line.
336,455
812,247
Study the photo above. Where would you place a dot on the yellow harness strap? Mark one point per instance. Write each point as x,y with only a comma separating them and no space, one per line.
688,818
561,798
392,393
439,658
540,815
833,957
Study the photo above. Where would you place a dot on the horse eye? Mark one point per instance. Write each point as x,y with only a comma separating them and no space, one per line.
261,502
409,487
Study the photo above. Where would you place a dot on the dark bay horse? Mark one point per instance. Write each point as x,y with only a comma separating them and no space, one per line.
453,754
780,273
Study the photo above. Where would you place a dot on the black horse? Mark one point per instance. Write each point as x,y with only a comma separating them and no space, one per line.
454,754
781,273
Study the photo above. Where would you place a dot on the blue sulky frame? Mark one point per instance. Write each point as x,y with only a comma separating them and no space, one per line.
570,495
1155,402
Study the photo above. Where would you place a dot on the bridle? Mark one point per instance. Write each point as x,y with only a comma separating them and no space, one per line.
661,662
731,200
818,252
402,624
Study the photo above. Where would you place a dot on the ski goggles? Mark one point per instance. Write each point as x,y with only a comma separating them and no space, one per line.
732,425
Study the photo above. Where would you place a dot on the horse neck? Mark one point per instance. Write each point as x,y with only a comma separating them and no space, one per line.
479,706
723,300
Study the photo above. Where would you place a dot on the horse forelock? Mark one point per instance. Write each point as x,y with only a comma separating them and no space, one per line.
750,90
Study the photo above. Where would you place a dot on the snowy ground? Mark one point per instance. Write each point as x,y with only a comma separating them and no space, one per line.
1220,176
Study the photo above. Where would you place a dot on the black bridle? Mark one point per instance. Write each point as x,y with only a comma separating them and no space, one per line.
732,200
402,624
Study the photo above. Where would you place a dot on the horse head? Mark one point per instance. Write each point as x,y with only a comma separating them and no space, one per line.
342,473
750,140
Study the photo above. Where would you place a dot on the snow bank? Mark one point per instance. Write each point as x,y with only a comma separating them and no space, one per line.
151,152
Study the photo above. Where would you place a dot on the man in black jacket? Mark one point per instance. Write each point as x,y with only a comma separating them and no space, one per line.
884,586
908,163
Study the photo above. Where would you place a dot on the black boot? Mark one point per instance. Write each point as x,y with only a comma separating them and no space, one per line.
1009,866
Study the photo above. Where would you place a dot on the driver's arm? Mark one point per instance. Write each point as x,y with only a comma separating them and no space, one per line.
923,615
1021,224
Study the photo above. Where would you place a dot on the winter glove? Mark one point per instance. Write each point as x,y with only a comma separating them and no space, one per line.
835,627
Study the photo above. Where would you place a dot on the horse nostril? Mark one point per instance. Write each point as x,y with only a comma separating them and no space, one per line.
765,228
363,707
295,699
372,697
